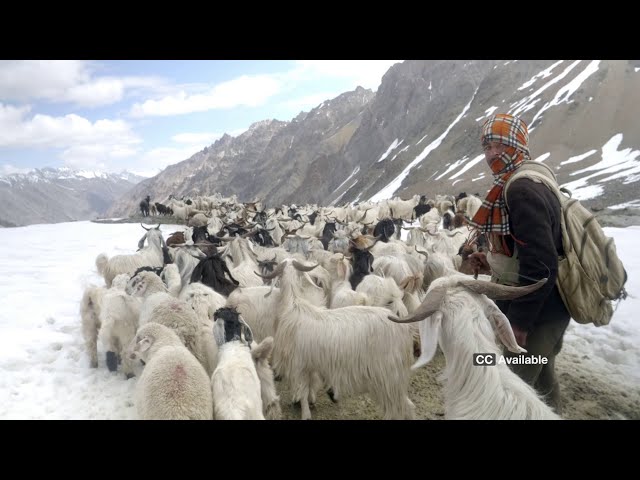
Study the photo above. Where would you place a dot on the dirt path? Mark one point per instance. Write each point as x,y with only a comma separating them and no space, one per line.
585,396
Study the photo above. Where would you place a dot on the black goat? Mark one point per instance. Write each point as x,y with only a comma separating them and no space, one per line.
327,234
385,229
163,209
362,263
211,272
420,210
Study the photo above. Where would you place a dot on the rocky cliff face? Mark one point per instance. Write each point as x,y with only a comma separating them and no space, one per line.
419,133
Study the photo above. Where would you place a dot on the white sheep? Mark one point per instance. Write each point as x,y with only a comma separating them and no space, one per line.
203,299
457,316
235,384
173,384
160,307
90,306
90,309
119,316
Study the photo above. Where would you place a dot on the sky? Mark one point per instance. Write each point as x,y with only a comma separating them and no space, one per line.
143,115
44,368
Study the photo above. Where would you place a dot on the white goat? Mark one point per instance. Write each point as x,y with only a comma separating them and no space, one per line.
351,349
153,255
235,383
457,316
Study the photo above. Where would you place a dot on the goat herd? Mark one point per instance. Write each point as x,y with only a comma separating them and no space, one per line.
324,299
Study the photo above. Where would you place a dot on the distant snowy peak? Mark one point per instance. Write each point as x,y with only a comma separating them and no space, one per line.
48,174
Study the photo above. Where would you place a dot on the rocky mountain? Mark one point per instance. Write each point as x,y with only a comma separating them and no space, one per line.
51,195
420,133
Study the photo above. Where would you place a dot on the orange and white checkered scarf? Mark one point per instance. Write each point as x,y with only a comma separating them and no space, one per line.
492,216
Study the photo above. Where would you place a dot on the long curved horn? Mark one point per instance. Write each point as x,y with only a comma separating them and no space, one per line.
276,272
496,291
302,267
428,307
365,215
147,229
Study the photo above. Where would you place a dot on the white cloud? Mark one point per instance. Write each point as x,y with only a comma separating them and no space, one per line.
250,91
97,157
8,169
64,81
16,130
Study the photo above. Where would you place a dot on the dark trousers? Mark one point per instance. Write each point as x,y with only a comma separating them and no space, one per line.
544,339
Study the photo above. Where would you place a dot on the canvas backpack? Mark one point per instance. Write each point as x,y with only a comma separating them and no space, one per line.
590,274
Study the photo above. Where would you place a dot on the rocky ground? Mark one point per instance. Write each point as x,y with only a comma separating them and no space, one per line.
585,395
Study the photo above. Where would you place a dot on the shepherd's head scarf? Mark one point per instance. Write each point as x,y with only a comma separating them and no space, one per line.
492,216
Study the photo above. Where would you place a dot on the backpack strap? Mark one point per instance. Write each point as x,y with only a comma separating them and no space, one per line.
540,173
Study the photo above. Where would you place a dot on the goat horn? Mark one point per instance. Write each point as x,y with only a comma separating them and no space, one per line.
147,229
302,267
496,291
428,307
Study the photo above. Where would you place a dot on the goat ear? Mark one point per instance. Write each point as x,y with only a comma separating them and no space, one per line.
502,327
246,330
219,332
429,332
144,344
141,242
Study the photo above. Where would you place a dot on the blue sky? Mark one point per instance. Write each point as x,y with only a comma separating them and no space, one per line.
144,115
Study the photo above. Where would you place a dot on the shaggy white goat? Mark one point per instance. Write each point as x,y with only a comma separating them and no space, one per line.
235,383
457,316
351,349
173,384
153,255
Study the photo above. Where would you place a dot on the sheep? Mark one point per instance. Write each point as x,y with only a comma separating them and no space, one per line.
235,384
204,300
457,315
351,349
160,307
119,315
90,309
173,384
155,254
